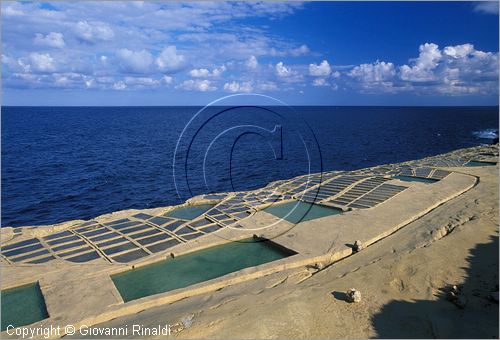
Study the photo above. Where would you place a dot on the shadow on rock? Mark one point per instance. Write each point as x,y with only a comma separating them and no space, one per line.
341,296
441,318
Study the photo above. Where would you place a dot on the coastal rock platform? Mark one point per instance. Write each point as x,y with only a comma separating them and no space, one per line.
73,261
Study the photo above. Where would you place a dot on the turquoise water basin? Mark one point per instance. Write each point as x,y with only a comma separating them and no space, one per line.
190,212
22,306
298,211
480,163
415,179
196,267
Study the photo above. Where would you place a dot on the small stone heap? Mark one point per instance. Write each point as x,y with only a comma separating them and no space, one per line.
454,296
353,295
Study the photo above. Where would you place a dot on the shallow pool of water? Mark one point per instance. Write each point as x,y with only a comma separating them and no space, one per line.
22,306
480,163
415,179
190,212
197,267
297,211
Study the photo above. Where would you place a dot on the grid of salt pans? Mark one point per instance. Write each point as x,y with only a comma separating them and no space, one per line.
129,239
358,191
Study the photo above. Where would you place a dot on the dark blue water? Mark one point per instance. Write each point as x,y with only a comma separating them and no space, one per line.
61,163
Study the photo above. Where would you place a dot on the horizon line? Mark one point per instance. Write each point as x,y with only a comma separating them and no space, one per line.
317,105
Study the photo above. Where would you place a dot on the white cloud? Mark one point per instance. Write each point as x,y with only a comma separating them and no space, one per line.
273,9
134,61
376,77
267,86
10,11
5,59
94,31
15,65
141,82
282,70
379,71
126,83
120,85
488,7
300,51
465,70
197,85
167,79
319,82
218,71
458,51
235,45
422,67
321,70
169,59
90,83
199,73
205,73
238,87
61,80
41,62
209,34
65,80
53,39
252,63
456,70
99,45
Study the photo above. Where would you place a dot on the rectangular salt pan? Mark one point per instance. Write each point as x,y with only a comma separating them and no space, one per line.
84,257
186,270
20,244
23,250
22,306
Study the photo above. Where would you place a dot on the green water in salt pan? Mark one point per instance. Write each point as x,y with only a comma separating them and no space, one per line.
415,179
480,163
22,306
298,211
190,212
203,265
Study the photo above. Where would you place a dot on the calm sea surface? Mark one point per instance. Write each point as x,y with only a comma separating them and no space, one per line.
63,163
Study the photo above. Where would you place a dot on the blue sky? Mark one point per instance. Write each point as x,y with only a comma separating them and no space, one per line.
311,53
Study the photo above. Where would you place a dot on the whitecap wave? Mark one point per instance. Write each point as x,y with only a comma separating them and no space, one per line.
486,134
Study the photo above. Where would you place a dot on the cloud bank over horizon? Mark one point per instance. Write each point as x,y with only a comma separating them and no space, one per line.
219,48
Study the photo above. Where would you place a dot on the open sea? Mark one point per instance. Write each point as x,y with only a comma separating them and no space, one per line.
64,163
